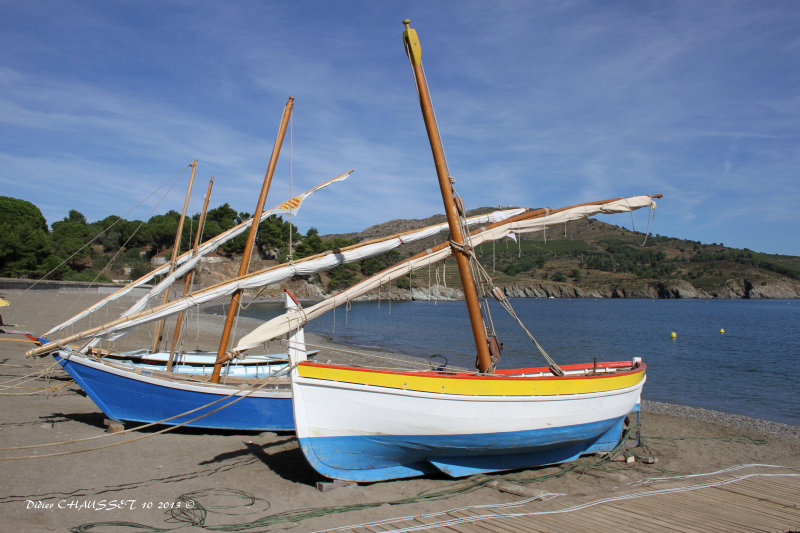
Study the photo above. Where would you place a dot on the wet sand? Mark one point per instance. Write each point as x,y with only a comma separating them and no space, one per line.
260,481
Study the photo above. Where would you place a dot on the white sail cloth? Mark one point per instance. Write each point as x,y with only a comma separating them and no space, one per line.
287,322
306,266
188,260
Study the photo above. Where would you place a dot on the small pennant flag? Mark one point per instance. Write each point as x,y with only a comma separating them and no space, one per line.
291,206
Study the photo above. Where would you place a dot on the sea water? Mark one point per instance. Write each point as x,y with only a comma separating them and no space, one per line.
736,356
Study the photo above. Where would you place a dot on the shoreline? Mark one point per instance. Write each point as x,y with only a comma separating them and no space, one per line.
339,351
760,425
536,289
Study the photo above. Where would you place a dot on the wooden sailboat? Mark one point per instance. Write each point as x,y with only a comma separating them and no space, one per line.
363,424
136,392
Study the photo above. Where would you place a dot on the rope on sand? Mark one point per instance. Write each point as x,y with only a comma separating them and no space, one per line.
44,373
38,390
197,516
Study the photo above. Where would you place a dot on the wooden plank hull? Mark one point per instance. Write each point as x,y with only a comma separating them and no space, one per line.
144,397
364,425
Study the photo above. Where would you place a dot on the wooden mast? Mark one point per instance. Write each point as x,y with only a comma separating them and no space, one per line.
190,276
484,361
175,247
251,239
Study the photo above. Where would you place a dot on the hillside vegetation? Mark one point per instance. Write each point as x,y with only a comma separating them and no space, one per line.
586,258
590,258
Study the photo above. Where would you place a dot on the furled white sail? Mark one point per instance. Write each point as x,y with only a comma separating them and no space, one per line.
268,276
289,321
188,260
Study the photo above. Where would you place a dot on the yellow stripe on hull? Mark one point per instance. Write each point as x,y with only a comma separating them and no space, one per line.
470,385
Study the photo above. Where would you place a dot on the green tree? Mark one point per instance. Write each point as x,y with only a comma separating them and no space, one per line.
341,277
69,239
375,264
310,245
273,233
223,218
161,229
24,240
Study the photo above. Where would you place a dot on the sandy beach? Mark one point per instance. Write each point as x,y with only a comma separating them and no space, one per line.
192,480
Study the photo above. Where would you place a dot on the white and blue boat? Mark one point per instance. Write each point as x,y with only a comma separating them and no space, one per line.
367,424
140,395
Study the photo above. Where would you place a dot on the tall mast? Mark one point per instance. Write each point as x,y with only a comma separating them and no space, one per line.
175,247
251,239
190,276
460,251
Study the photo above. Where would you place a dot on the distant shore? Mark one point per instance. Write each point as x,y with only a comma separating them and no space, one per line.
671,290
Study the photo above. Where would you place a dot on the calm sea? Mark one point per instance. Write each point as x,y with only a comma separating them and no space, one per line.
752,369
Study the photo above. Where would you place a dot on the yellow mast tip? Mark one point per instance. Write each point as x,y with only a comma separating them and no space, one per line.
412,43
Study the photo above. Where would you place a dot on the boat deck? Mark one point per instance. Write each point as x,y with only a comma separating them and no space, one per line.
739,502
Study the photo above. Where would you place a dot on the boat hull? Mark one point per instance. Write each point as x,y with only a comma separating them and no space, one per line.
361,425
142,397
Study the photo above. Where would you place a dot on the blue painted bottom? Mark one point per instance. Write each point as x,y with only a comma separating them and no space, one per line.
383,457
123,398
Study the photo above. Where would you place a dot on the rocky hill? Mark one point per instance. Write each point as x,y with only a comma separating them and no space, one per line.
585,259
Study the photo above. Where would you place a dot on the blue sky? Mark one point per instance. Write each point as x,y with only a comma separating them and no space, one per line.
539,104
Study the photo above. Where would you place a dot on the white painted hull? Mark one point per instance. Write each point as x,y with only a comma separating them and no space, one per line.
364,432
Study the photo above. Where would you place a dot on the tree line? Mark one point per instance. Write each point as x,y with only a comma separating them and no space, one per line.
115,248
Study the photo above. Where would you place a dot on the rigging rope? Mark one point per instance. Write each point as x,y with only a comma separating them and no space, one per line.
289,257
500,296
650,216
